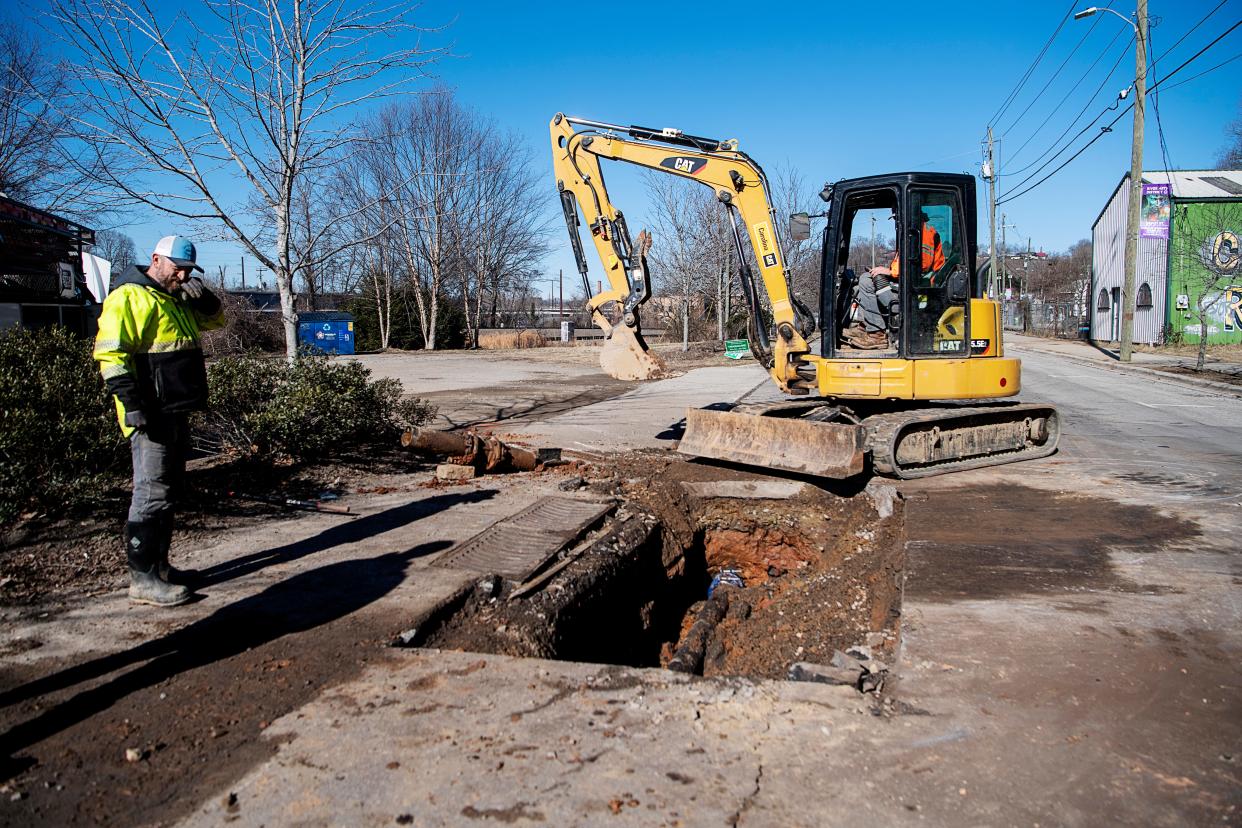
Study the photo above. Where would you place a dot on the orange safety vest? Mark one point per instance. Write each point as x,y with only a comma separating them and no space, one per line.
933,253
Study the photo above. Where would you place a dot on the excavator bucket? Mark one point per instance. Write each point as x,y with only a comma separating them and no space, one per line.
836,450
625,356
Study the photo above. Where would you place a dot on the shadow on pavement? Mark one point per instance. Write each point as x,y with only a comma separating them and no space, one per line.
1108,352
303,602
345,533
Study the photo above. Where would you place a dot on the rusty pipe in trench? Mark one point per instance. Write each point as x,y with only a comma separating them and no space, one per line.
485,453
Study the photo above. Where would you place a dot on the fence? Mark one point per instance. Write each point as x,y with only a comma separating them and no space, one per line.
581,334
1059,320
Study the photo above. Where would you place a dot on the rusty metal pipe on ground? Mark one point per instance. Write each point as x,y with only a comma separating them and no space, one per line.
485,453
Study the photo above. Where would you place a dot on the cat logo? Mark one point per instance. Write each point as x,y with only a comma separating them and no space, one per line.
682,164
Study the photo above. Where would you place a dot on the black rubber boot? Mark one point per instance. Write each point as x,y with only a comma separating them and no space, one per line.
142,545
168,572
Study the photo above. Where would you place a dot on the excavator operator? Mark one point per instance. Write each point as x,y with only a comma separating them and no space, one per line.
878,285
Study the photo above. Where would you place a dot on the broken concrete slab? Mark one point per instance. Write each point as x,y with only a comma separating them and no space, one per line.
452,472
825,674
746,489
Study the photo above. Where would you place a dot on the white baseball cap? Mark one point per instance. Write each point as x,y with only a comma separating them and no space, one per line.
179,250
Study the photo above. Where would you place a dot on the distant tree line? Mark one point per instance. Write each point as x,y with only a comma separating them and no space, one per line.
304,131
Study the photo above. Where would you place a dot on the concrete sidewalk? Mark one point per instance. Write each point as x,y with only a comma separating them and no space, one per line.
1141,361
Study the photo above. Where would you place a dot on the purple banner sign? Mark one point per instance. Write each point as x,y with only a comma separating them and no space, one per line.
1154,211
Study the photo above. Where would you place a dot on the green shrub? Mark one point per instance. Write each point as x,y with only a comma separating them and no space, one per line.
59,441
311,409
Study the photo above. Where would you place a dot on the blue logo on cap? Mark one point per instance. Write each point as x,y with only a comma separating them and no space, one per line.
183,248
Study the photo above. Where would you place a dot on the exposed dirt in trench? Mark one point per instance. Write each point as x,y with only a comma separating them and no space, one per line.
820,573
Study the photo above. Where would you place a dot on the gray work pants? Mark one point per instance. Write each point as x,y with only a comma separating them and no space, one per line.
871,288
159,467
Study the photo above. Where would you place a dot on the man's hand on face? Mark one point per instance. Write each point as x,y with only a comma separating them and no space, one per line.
191,288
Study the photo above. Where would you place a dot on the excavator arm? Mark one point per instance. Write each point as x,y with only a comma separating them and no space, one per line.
738,183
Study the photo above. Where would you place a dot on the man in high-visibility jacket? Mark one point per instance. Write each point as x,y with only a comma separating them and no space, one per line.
874,287
933,252
148,351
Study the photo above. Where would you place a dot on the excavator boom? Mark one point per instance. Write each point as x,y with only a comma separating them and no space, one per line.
579,145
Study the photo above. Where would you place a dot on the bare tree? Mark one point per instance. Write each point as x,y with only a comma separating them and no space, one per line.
790,194
116,247
38,156
499,233
260,92
691,246
1207,257
416,154
30,127
1063,277
1231,157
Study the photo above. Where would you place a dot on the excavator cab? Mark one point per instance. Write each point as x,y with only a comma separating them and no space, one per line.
923,292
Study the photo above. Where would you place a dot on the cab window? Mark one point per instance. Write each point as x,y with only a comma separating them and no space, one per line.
939,292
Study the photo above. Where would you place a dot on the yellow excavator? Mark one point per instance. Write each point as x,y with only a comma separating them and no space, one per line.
930,402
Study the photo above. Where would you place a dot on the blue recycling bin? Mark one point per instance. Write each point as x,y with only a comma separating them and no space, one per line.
329,332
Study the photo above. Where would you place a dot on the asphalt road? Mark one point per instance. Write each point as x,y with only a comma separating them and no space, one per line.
1075,621
1120,419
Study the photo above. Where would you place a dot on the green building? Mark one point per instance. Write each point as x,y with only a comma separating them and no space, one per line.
1189,260
1204,265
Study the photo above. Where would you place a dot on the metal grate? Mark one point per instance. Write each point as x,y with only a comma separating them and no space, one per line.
519,545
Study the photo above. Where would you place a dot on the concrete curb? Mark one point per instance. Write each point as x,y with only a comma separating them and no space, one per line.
1179,379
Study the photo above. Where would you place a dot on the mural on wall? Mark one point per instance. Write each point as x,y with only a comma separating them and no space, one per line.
1220,253
1233,308
1205,271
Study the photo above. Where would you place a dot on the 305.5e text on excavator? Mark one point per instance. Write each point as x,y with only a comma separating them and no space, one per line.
928,394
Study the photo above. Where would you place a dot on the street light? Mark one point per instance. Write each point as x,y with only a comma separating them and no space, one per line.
1139,24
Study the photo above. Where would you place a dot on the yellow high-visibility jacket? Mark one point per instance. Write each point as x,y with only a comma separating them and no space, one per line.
148,347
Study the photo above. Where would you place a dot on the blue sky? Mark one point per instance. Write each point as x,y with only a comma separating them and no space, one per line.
836,90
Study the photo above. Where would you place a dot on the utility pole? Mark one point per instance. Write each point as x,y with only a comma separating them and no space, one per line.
1139,24
873,241
989,175
561,316
243,273
1136,182
1004,266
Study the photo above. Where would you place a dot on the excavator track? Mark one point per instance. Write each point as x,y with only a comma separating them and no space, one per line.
926,442
817,438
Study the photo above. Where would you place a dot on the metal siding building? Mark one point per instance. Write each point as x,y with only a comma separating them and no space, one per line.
1108,256
1108,246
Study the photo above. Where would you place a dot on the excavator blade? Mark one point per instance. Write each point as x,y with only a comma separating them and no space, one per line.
625,356
836,450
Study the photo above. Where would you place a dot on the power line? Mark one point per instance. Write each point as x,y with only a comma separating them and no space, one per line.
1120,56
1078,135
1056,74
1205,71
1189,31
1155,103
1035,63
1106,129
